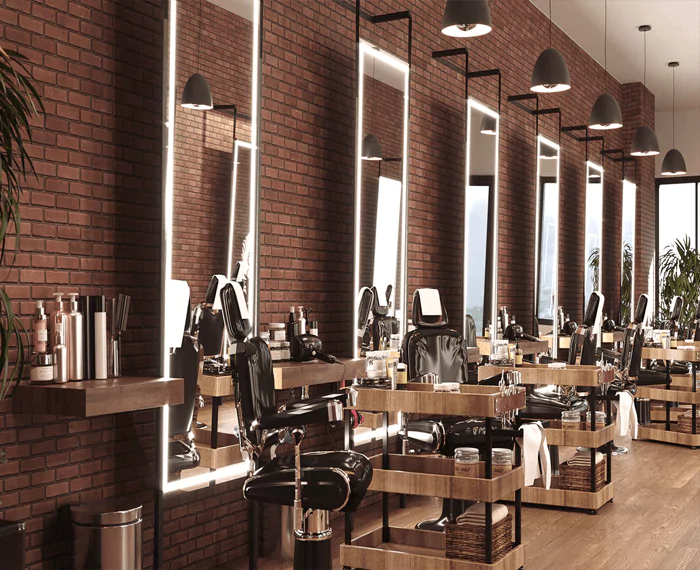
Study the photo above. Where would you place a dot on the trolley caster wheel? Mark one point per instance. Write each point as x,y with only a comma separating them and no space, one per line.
592,512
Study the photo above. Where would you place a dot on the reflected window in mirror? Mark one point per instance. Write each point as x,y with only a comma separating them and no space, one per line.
480,217
380,199
594,231
629,215
547,224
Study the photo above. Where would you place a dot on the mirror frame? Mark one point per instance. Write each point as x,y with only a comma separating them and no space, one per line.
541,140
597,167
169,106
628,189
473,104
367,48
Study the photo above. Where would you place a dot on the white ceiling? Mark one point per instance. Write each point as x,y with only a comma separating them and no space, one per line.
675,36
244,8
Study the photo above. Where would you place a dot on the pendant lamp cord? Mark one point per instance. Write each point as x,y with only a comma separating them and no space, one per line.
673,129
199,37
605,48
644,81
550,23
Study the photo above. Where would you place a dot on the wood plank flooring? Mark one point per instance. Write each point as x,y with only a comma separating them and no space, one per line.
653,524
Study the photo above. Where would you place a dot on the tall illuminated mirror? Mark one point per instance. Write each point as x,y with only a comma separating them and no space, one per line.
594,231
210,226
547,239
380,199
629,209
481,217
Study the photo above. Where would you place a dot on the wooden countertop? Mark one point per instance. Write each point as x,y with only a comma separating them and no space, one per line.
527,346
98,397
572,375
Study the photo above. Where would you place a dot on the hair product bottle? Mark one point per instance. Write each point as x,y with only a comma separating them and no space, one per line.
75,339
41,331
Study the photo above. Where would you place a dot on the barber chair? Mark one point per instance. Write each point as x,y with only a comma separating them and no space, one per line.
433,347
313,483
184,363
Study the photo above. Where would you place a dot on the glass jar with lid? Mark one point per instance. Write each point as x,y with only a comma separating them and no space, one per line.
502,460
570,419
467,462
599,419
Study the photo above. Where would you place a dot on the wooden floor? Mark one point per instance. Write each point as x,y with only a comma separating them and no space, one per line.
653,524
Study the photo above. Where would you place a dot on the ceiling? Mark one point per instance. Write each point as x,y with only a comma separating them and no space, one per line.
244,8
675,36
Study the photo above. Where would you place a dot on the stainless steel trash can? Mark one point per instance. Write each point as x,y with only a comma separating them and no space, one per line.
107,535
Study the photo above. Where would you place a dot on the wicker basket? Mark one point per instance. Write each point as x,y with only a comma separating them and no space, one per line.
578,477
685,423
467,542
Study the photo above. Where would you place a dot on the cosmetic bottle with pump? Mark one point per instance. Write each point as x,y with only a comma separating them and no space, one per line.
302,321
58,315
74,339
61,373
291,321
499,330
313,328
41,329
487,330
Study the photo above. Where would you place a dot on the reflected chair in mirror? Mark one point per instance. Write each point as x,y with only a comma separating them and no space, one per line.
314,483
210,321
586,337
375,323
185,361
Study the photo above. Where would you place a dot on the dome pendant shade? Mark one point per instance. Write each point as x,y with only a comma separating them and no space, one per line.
645,142
673,164
550,74
466,18
606,114
488,125
371,149
196,94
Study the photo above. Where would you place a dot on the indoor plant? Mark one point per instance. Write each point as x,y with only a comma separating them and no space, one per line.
679,274
18,104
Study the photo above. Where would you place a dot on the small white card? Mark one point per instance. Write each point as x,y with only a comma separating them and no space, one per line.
430,302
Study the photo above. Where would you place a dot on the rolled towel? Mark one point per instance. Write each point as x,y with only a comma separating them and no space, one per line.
531,444
583,458
626,414
476,514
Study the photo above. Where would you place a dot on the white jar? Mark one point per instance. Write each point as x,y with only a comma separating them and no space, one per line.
467,462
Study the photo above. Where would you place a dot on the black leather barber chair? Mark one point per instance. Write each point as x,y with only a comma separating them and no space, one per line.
184,363
585,339
210,321
313,483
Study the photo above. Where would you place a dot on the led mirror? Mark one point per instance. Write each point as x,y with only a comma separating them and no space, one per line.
210,224
547,236
481,217
594,231
380,200
629,215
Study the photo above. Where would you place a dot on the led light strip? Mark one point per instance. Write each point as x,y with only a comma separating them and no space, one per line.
232,214
629,189
374,433
599,169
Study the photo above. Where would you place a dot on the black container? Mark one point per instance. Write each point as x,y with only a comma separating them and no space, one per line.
12,545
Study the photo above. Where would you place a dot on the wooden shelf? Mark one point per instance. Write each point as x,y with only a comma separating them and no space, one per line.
92,398
683,395
215,385
658,414
682,381
485,401
374,420
557,497
227,452
672,436
579,437
527,346
411,549
433,476
290,375
684,355
612,337
572,375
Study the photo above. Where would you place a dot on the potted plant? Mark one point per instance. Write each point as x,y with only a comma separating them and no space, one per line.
679,274
18,104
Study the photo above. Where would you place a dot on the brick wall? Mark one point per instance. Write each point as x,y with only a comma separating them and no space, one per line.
91,219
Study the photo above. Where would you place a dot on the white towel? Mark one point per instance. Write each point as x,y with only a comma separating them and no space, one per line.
535,452
583,458
626,414
476,514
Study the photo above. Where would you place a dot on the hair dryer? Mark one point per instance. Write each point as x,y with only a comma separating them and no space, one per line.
305,347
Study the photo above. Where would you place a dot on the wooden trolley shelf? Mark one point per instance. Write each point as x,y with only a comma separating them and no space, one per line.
410,549
577,375
227,451
557,497
528,347
681,395
669,436
483,401
583,437
433,476
91,398
684,355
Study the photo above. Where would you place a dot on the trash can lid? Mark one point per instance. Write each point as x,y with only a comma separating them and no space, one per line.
106,512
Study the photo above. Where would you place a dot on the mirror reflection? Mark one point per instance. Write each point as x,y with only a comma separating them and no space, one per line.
214,222
481,219
594,231
629,209
547,226
380,200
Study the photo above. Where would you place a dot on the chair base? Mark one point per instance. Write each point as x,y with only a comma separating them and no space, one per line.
313,554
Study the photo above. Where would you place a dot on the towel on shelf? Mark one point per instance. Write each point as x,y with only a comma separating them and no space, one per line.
476,514
535,453
583,458
626,415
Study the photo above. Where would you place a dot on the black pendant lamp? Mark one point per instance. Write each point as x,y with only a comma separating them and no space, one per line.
674,163
197,94
466,18
550,74
645,142
606,114
371,148
488,125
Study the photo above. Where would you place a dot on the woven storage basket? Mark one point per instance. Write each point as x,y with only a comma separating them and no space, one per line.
467,542
578,477
685,423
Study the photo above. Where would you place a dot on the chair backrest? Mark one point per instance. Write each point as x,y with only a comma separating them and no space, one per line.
469,331
184,363
586,337
432,347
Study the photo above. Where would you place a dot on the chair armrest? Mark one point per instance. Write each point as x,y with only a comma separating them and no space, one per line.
319,413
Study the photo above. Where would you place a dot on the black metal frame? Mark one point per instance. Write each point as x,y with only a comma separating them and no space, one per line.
518,101
586,138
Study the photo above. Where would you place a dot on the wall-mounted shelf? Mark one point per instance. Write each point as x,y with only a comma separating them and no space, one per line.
92,398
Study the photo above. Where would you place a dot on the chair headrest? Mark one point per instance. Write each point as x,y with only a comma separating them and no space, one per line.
213,295
594,310
235,310
428,309
676,308
380,302
641,313
363,309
